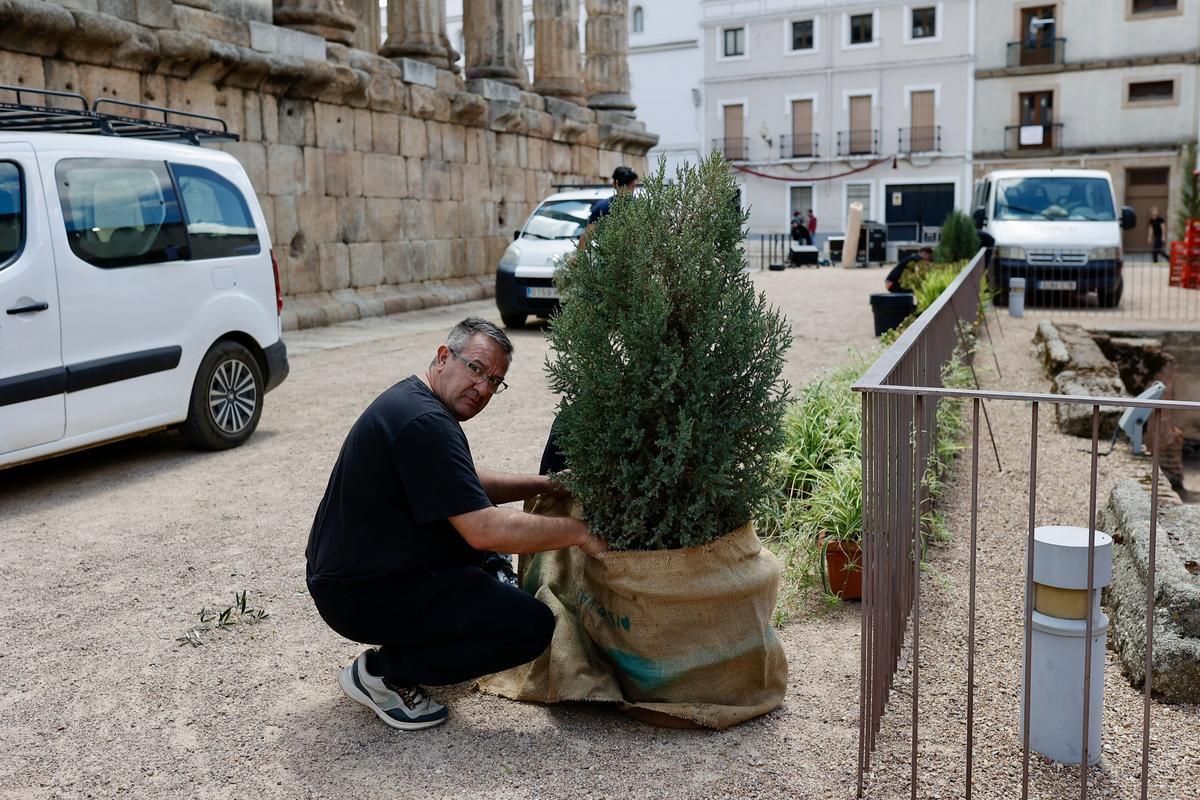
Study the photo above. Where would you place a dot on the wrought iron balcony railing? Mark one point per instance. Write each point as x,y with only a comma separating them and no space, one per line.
1033,137
926,139
734,149
864,142
799,146
1037,53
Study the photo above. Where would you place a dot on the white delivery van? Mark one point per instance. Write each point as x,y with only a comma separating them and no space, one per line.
1059,229
138,290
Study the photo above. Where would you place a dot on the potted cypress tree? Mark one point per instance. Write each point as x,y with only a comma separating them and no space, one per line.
667,363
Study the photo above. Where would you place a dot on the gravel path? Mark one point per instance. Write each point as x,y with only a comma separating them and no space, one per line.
109,554
1062,498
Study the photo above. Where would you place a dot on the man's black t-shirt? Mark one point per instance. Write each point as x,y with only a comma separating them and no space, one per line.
404,468
1156,226
600,210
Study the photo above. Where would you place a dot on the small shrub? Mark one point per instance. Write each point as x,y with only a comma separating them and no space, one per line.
1189,196
959,240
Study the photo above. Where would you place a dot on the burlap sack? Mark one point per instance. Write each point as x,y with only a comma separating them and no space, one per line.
673,636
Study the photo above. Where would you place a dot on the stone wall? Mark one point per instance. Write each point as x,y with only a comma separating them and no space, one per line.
387,184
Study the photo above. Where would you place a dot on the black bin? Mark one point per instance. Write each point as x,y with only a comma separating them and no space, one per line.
890,309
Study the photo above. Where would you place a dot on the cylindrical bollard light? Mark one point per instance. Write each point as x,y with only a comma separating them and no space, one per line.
1060,606
1016,297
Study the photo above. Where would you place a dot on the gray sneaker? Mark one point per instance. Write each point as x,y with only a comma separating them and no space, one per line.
404,708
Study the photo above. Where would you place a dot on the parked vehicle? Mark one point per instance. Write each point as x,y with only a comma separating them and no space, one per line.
137,281
525,276
1057,228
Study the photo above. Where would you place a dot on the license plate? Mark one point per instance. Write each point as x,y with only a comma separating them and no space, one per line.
1068,286
541,292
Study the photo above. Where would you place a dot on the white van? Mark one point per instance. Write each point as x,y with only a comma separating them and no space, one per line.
1059,229
138,290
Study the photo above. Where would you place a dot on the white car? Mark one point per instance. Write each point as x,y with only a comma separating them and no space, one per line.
525,277
138,291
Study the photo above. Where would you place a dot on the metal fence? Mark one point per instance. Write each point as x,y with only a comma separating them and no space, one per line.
900,393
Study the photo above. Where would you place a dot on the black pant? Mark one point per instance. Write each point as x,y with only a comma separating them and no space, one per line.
1158,251
444,626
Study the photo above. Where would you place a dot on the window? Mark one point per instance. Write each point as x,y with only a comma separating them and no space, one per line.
12,213
1152,6
1152,91
734,42
219,224
862,29
639,19
120,212
532,32
1066,198
561,219
924,22
859,193
802,34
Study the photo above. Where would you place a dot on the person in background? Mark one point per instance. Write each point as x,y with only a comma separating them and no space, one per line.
1156,234
799,229
812,225
624,180
892,281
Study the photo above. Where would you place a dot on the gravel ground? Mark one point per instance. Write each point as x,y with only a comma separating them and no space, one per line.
109,555
1062,498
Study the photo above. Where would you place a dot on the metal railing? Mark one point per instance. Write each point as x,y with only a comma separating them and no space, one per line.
863,142
900,393
735,149
1037,53
799,146
1050,138
926,139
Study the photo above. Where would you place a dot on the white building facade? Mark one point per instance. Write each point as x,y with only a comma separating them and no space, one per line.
665,68
1108,85
821,103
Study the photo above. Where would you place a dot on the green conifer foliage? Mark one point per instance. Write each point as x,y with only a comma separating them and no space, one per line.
667,364
1188,207
959,240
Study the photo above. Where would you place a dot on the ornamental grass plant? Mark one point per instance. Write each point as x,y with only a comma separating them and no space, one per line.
667,363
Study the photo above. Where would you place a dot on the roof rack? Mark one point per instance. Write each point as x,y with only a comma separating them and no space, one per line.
64,117
581,186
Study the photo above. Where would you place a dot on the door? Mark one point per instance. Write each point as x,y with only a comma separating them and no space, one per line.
926,204
33,381
1037,111
800,198
860,125
922,135
1037,35
802,129
1145,189
735,142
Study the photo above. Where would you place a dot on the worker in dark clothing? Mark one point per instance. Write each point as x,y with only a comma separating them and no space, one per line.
1156,234
624,180
892,281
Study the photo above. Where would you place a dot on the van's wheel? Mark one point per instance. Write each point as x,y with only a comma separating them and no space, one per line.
226,400
513,319
1111,298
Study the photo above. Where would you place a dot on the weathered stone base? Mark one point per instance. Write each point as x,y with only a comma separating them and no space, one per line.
316,309
1176,657
1078,367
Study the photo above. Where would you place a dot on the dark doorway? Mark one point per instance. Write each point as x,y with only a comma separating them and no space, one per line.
1146,188
927,204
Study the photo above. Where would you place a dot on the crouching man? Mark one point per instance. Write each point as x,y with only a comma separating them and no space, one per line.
396,549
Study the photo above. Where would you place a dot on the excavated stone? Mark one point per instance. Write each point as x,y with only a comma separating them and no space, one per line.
1176,653
1075,419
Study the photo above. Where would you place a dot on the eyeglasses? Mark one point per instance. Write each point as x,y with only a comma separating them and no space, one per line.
497,384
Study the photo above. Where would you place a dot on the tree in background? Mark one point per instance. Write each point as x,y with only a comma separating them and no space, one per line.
1189,197
959,240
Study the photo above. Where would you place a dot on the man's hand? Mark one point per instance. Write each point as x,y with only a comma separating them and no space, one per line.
593,544
553,488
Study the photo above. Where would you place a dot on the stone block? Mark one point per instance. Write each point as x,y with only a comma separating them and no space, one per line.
460,266
457,191
468,109
433,138
318,217
352,220
296,121
154,13
348,305
285,170
253,158
252,114
212,25
384,175
454,143
246,10
99,82
286,231
384,216
440,264
447,219
1066,346
416,175
366,264
121,9
536,154
1076,420
494,90
437,180
397,262
335,126
362,129
19,69
422,102
587,163
314,171
343,173
416,219
334,265
278,40
417,72
506,117
413,143
504,149
419,264
385,132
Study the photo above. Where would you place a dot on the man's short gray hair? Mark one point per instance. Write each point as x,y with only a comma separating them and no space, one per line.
461,333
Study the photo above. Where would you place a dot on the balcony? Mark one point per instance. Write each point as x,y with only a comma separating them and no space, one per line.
921,140
732,148
863,142
1036,53
1022,138
798,146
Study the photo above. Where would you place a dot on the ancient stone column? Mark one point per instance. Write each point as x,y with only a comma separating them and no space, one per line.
557,69
607,56
327,18
493,40
417,29
366,36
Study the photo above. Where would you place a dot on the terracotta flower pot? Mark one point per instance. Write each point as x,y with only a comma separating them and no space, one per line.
843,567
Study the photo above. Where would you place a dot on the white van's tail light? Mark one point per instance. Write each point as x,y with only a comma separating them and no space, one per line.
278,290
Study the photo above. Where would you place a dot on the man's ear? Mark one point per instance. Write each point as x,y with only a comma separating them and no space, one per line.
443,355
